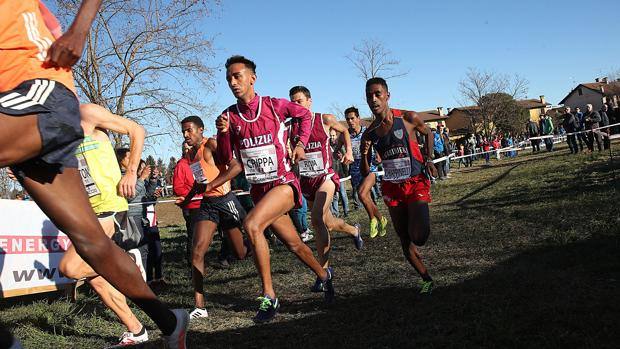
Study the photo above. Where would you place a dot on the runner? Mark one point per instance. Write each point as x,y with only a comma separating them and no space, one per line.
219,207
38,103
318,180
101,175
406,187
363,184
254,129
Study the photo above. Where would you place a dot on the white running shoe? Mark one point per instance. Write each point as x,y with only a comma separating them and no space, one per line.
306,235
177,339
128,338
137,258
198,313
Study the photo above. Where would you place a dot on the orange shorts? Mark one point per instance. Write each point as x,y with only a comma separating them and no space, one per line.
414,189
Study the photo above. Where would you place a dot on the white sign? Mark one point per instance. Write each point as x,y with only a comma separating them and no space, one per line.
397,169
30,250
313,165
260,164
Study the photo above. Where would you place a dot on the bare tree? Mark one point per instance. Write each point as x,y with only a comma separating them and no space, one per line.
371,59
146,60
494,95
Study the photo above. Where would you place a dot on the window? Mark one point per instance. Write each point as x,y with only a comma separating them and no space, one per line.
580,91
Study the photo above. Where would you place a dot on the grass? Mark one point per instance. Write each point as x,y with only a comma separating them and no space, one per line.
524,254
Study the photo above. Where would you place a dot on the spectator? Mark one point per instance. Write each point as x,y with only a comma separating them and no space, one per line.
496,143
447,149
154,272
571,125
461,152
438,151
532,130
340,168
486,147
605,122
547,130
592,119
182,183
581,136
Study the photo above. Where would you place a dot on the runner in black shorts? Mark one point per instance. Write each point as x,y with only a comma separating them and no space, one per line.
219,207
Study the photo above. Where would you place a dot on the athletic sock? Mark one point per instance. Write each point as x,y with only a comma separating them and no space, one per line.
427,277
141,332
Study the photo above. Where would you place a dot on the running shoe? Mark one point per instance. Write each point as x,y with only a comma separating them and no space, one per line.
318,286
176,340
198,313
328,286
307,235
374,229
357,239
267,309
426,287
128,338
383,226
137,258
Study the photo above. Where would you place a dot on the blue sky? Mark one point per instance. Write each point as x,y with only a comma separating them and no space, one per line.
552,43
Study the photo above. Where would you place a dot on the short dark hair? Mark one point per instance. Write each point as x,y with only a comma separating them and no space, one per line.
377,81
296,89
121,153
352,110
194,119
240,59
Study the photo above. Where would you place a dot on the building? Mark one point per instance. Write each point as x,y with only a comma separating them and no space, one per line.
460,119
596,93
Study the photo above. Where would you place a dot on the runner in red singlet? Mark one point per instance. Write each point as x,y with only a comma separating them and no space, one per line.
254,130
318,180
38,103
406,187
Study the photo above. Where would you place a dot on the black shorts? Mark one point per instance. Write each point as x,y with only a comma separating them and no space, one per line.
225,211
58,112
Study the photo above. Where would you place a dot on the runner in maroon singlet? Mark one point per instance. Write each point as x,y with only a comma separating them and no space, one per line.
318,180
254,130
406,187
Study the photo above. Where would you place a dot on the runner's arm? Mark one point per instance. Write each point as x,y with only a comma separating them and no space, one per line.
419,125
67,50
332,123
366,154
285,108
224,155
100,117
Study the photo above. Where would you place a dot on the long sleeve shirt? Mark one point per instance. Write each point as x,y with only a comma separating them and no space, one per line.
182,182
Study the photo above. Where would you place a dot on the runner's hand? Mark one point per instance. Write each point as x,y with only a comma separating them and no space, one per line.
347,158
221,123
430,167
127,185
179,200
11,174
365,147
66,51
298,154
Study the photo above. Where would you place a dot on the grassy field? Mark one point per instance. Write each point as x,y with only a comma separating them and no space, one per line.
525,253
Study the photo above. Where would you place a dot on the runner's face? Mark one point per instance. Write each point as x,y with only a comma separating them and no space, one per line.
191,133
353,121
333,135
377,98
301,99
240,80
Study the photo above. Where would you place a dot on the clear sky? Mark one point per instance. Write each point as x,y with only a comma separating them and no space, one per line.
552,43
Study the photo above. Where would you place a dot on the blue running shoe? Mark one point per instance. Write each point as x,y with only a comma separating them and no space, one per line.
328,286
357,239
318,286
267,309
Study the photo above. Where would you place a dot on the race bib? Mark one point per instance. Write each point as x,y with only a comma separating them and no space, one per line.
199,175
260,164
355,144
397,169
87,179
313,165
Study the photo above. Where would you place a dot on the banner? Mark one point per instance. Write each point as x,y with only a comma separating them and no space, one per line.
30,250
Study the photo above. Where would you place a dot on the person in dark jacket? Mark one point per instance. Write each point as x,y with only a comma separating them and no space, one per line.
532,130
592,119
571,125
605,122
581,137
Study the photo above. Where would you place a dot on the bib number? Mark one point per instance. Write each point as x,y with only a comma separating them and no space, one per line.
313,165
199,175
87,179
355,144
397,169
260,164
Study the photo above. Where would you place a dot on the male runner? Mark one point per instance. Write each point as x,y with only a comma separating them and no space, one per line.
318,180
219,207
406,188
363,184
101,175
254,129
38,102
